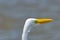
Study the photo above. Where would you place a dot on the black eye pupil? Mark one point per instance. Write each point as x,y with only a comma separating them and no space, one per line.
35,21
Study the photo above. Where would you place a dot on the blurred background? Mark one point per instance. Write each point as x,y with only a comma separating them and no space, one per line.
13,14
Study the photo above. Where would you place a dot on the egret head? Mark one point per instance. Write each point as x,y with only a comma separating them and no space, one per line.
39,21
29,22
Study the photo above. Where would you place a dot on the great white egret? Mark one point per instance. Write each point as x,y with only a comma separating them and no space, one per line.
31,21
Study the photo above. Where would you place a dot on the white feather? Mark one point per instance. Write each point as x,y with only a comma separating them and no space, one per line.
27,27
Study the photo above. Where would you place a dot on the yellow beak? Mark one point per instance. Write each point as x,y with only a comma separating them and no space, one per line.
43,20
